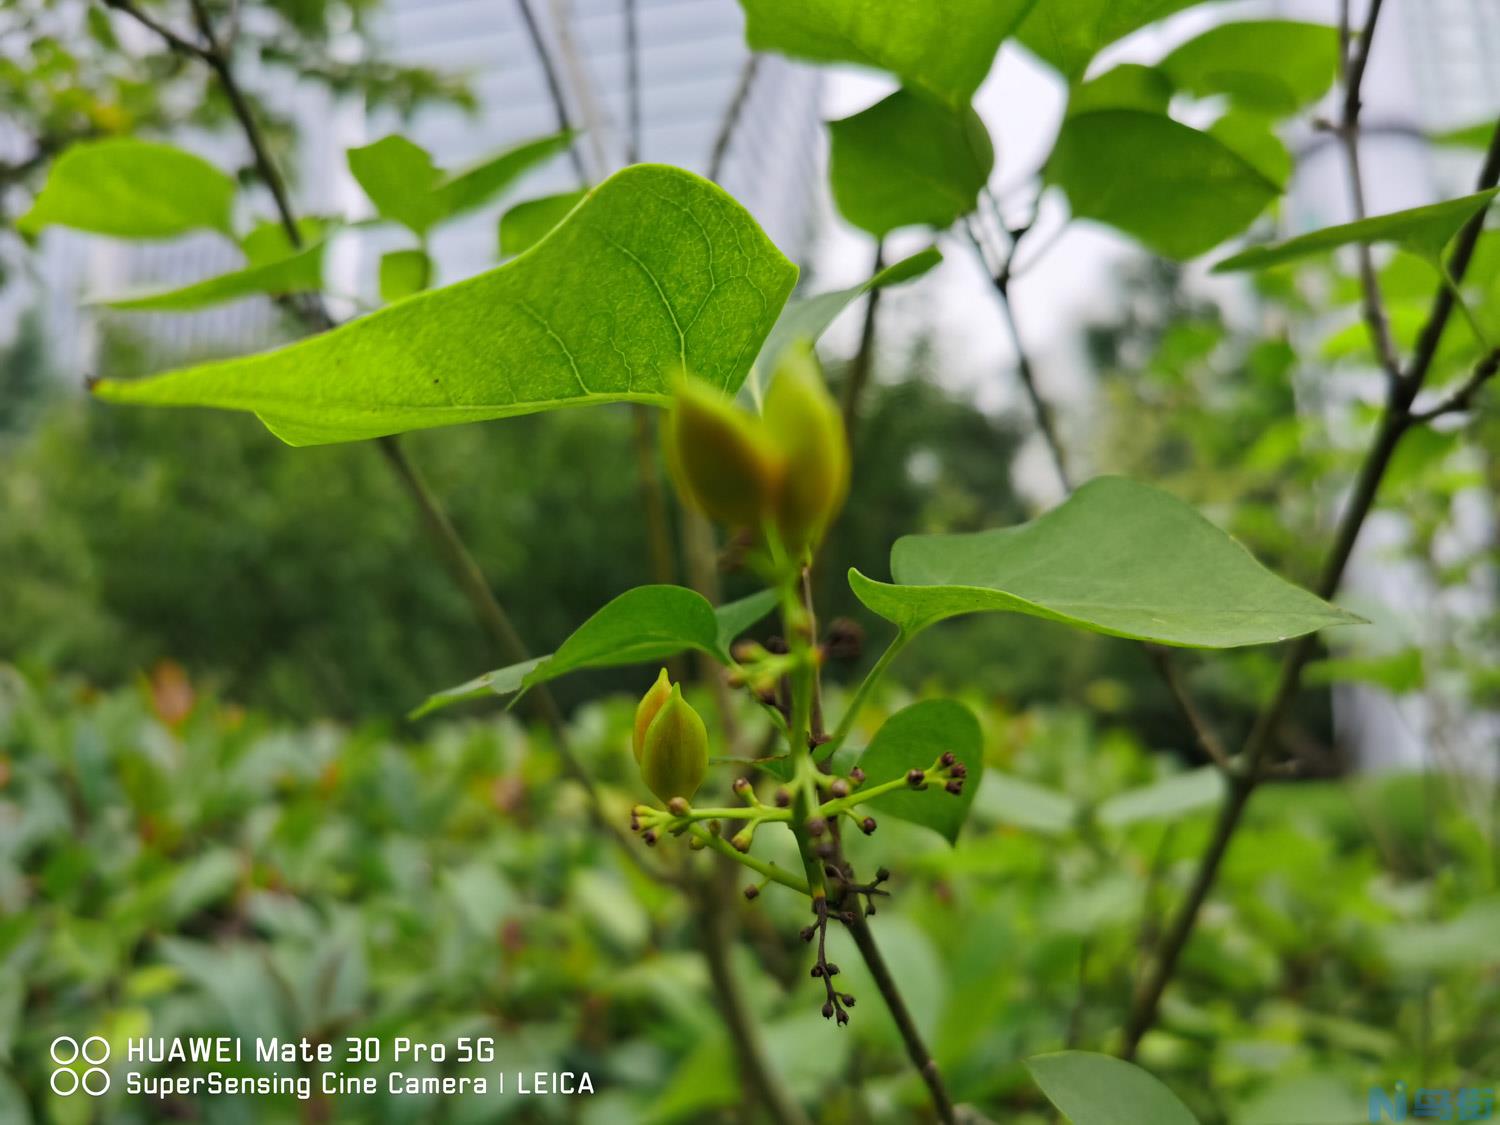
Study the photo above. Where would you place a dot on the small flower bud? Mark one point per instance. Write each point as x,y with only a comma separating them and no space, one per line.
696,844
752,892
914,778
816,826
828,1010
831,969
674,755
843,1017
857,776
646,710
839,788
882,874
783,798
722,458
817,970
959,771
741,785
677,806
807,932
809,432
947,759
741,842
650,837
955,787
848,999
867,826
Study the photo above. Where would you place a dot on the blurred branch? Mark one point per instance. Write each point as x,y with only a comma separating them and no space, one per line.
731,119
1396,418
864,359
1207,738
1462,397
554,86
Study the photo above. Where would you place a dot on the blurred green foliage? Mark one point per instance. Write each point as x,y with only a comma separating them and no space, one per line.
170,865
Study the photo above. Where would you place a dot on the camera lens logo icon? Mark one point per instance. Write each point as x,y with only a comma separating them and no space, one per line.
66,1080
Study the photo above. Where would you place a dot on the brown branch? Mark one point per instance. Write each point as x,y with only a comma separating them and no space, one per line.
1396,419
1207,738
730,122
1462,397
864,359
554,85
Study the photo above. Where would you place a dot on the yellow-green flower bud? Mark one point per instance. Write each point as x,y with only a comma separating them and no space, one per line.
674,757
646,710
809,431
723,460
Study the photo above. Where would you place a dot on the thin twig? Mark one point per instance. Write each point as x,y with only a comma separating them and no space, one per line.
632,83
864,359
730,122
1462,397
1203,731
1396,419
554,86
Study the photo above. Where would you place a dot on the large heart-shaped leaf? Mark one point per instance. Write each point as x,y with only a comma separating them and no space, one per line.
642,625
943,47
913,738
657,271
131,188
1423,231
1180,191
908,161
1117,557
1090,1089
1068,33
1273,66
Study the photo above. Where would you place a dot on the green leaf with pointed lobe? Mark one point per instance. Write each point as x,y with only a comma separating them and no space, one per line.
1117,557
807,318
1272,66
527,223
642,625
1090,1089
1127,86
1067,34
914,738
130,188
942,47
404,272
1423,231
657,271
908,161
1178,190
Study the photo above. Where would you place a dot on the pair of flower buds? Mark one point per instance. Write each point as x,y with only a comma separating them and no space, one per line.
785,471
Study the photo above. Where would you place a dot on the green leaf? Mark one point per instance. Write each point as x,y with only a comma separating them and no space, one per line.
1004,799
1169,799
1253,137
1067,34
1477,135
942,47
1399,673
1423,231
1192,192
130,188
908,161
808,318
656,271
400,179
299,272
1090,1089
1127,86
914,738
1117,557
407,187
402,273
526,224
1274,66
642,625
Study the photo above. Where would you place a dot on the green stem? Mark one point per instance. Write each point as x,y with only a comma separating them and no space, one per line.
862,693
745,859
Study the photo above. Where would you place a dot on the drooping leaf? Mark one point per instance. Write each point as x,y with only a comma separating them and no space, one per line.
913,738
1067,34
130,188
402,273
1274,66
1090,1089
1169,799
908,161
407,187
655,272
642,625
1117,557
1178,190
943,47
807,318
1423,231
527,223
298,272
